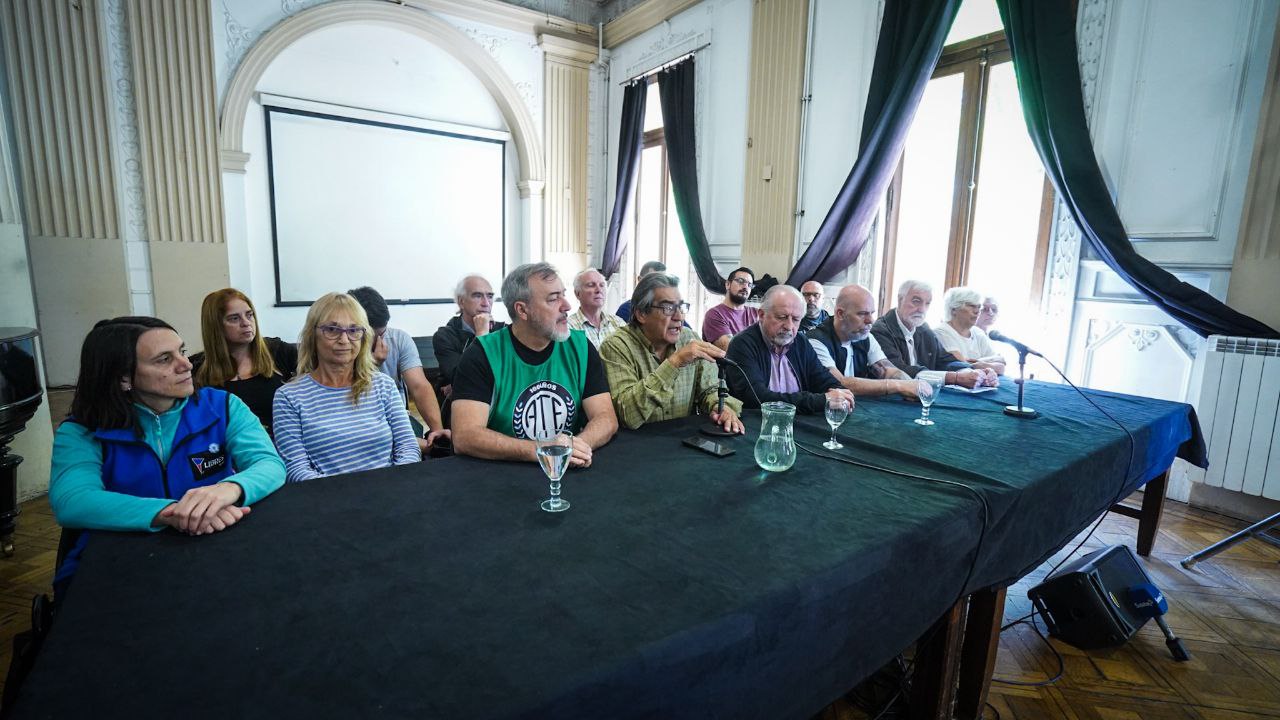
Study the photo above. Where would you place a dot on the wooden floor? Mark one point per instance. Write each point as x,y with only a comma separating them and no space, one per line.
1226,610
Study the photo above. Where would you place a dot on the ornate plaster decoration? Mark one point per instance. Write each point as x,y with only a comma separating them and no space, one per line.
239,38
120,72
492,44
1143,337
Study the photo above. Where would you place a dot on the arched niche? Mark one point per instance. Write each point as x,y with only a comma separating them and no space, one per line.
406,19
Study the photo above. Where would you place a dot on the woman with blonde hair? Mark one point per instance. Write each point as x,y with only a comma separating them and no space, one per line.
237,358
340,414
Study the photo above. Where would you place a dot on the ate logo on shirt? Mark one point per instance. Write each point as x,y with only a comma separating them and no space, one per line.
544,408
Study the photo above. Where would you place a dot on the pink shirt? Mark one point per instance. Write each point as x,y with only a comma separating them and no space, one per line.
721,320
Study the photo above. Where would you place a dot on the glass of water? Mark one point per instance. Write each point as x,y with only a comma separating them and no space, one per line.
554,452
928,389
837,410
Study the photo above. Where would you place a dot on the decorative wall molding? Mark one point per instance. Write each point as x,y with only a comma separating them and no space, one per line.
1091,35
10,209
1259,234
55,77
412,19
1149,359
641,18
177,125
567,66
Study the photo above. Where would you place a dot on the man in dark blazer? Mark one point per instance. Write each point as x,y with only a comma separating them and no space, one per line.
912,347
776,364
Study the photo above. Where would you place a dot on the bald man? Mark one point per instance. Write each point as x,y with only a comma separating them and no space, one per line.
814,314
775,363
847,349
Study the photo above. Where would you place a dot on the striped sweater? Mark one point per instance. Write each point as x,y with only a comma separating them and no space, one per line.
319,432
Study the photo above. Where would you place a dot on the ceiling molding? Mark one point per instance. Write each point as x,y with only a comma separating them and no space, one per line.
642,17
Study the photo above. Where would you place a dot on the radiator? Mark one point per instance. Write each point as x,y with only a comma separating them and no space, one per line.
1239,399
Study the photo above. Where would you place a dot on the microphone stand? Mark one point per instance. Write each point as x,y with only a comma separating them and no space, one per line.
711,428
1018,410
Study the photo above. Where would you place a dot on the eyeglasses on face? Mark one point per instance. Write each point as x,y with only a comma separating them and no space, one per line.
333,332
742,281
670,308
990,309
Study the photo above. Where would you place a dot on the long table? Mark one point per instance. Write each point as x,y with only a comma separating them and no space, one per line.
677,585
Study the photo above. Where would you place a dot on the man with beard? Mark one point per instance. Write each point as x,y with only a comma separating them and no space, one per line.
590,317
772,366
657,369
913,348
814,315
732,315
532,379
847,349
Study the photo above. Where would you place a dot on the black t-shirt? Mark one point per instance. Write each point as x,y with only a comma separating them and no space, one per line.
474,377
258,392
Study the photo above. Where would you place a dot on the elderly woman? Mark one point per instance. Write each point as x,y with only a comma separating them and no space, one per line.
340,414
144,450
961,336
657,368
237,358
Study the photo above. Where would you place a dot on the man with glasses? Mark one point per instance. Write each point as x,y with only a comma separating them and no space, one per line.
773,366
474,296
988,313
732,315
814,314
532,379
657,369
396,354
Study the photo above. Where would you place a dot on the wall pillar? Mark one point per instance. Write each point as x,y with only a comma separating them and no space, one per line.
566,117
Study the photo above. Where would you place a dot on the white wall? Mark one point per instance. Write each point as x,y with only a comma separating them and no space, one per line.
372,67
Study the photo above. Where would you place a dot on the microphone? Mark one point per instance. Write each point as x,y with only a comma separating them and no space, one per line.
1146,601
722,392
1001,337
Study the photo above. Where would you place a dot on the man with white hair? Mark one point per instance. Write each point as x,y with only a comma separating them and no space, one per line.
532,379
847,349
913,348
988,313
474,296
772,366
814,314
960,334
590,317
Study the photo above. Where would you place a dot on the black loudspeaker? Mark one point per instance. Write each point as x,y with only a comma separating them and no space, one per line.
1085,603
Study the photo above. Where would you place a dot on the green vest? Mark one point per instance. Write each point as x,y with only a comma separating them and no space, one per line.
536,400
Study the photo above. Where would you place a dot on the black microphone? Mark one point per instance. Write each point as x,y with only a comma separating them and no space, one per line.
1001,337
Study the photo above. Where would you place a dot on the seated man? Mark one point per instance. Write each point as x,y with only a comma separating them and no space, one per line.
732,315
531,379
773,366
988,314
396,355
590,317
474,296
657,369
847,349
814,315
913,348
653,266
960,335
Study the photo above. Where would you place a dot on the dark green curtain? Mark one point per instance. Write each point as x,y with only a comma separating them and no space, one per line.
1042,39
630,143
675,89
910,43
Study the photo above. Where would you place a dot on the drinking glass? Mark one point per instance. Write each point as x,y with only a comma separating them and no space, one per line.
554,452
928,388
837,410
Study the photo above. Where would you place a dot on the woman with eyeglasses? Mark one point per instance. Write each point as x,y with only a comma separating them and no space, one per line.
657,369
340,414
237,358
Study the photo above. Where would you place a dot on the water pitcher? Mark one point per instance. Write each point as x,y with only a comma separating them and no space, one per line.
776,446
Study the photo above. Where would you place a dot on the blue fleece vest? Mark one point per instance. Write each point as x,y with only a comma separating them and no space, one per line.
198,456
130,466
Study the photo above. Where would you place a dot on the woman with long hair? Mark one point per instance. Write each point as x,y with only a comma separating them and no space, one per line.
237,358
340,414
144,450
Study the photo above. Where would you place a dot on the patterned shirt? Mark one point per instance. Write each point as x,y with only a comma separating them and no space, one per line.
609,324
646,389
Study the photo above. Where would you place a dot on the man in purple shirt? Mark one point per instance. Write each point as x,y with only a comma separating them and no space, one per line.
732,315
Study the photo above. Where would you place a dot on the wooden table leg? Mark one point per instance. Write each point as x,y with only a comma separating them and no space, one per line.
978,653
937,660
1149,515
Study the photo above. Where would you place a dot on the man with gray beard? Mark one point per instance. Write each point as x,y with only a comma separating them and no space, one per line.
912,347
772,366
531,379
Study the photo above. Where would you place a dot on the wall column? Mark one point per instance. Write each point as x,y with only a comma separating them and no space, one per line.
567,67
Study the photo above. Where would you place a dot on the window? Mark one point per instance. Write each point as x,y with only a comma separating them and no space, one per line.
970,203
657,233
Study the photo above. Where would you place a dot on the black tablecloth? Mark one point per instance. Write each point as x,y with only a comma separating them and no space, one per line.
677,585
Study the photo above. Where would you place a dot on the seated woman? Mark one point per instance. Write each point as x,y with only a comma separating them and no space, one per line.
340,414
960,334
143,449
237,358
